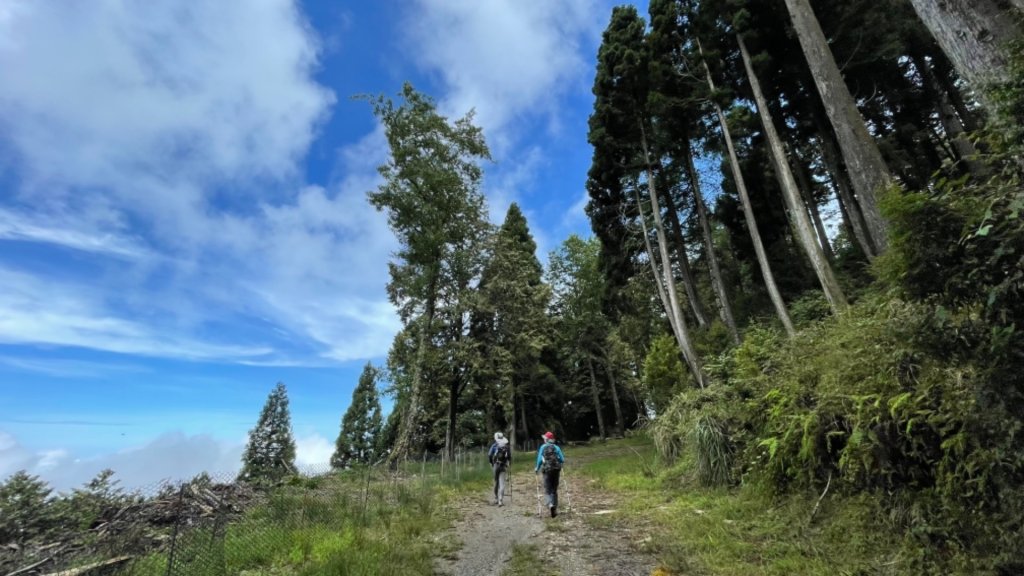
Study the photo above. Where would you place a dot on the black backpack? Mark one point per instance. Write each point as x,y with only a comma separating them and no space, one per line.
501,455
550,455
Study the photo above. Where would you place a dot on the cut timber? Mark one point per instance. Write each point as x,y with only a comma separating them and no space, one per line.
90,568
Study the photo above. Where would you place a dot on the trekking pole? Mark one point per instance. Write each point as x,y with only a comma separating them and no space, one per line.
538,496
568,492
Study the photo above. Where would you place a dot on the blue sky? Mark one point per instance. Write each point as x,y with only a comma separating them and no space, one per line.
183,219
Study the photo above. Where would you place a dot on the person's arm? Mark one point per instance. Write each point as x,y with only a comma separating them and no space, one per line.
540,458
561,457
490,453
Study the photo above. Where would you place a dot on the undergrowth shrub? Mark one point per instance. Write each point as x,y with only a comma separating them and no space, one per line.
809,307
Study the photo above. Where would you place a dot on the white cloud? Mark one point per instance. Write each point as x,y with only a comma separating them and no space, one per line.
62,229
165,94
13,456
177,154
313,452
68,368
33,311
576,215
517,63
506,58
170,457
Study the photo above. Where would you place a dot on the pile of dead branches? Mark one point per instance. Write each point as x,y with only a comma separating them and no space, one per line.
127,527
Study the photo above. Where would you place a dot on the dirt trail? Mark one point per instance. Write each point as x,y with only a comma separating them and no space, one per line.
583,540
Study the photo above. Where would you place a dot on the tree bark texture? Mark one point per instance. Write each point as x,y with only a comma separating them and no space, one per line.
868,170
797,210
973,34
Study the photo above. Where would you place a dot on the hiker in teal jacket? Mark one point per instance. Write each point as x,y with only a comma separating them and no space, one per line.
549,461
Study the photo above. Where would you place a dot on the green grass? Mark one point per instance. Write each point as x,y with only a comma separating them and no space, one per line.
526,561
737,530
356,523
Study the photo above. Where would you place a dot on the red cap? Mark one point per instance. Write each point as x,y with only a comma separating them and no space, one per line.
549,436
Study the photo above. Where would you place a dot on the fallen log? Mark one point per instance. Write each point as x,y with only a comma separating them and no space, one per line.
91,567
29,568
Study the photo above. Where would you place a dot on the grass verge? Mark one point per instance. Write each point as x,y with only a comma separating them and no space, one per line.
698,531
355,523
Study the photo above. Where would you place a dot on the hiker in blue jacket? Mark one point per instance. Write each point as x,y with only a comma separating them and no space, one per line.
500,457
549,461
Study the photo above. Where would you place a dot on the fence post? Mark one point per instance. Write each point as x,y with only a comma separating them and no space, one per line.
174,533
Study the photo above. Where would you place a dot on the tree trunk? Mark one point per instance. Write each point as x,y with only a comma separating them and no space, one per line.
868,171
973,34
404,441
812,209
748,212
797,209
620,426
453,412
652,259
512,418
709,245
682,332
947,79
684,264
597,398
847,202
522,416
963,150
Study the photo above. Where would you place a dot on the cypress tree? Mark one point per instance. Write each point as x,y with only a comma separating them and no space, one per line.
515,300
270,453
361,424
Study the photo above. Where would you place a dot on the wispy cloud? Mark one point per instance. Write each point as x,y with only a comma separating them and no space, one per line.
33,311
61,230
69,368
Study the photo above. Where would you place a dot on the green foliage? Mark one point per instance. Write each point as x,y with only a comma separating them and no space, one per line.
857,403
511,323
270,453
344,524
713,450
92,503
361,424
664,375
810,307
431,194
24,508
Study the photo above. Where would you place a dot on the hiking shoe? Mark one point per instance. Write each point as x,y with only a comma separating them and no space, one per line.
500,503
554,511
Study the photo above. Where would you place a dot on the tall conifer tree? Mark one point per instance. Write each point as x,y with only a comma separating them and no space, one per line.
361,424
270,453
515,301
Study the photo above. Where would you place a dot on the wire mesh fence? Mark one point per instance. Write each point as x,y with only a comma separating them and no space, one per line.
214,525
